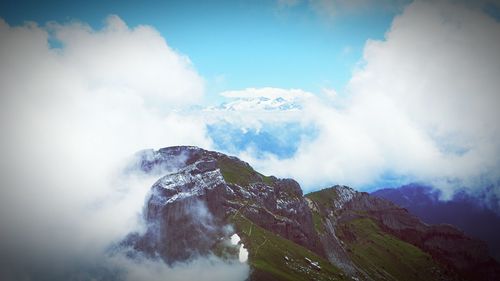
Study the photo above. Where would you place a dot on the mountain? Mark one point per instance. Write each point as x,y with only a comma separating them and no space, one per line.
259,104
462,210
210,203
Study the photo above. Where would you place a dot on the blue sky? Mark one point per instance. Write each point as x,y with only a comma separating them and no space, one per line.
237,44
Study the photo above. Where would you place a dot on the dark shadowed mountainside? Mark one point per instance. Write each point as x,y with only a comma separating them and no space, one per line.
462,210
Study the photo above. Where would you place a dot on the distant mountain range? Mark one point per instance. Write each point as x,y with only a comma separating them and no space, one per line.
208,203
259,104
463,211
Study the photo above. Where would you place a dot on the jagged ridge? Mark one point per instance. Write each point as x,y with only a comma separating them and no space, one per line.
339,231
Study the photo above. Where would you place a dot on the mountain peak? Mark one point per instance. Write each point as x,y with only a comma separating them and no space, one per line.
223,186
259,103
205,198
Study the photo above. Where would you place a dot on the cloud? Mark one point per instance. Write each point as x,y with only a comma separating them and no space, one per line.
421,106
75,103
260,121
436,69
138,60
211,268
253,108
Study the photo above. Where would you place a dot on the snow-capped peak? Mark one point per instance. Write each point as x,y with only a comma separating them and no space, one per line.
260,104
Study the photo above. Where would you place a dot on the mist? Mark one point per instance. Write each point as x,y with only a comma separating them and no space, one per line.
71,119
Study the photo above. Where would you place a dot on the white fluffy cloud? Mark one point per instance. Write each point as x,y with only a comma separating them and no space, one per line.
430,90
422,106
253,108
70,116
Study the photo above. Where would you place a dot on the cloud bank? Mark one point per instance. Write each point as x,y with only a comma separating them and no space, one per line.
75,103
421,106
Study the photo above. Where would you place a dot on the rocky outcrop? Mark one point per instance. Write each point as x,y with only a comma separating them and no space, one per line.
448,245
193,206
188,208
326,224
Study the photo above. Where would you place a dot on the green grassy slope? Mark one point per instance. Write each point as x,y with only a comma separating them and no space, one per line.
267,252
379,254
238,172
383,256
323,197
273,258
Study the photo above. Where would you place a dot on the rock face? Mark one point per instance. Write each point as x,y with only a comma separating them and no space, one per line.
446,244
204,197
188,209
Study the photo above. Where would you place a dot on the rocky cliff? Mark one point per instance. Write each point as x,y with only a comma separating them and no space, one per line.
206,197
455,254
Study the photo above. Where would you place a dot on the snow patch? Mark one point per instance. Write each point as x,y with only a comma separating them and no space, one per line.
235,239
243,256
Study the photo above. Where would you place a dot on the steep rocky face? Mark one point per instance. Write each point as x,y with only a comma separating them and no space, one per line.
447,245
204,197
189,208
325,223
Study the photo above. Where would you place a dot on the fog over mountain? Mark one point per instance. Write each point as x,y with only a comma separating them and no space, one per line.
324,92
